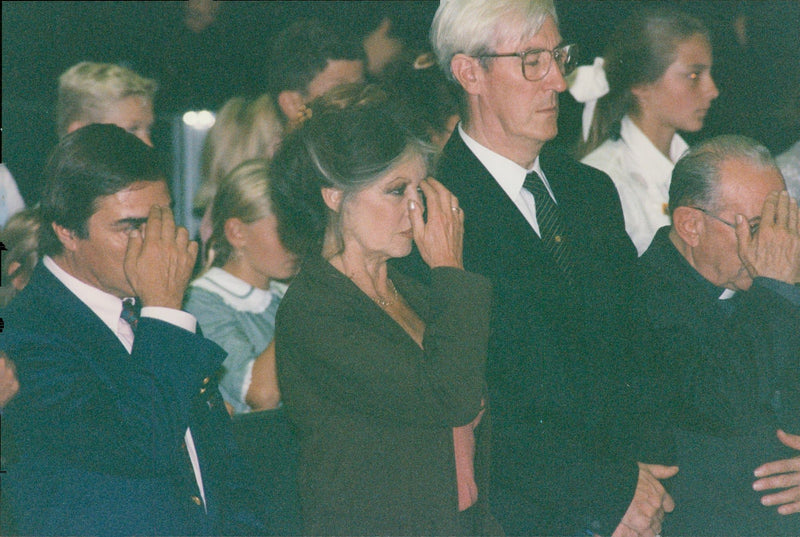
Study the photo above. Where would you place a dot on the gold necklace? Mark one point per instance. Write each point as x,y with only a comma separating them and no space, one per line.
384,303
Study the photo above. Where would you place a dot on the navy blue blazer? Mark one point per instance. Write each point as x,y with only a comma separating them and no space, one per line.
97,433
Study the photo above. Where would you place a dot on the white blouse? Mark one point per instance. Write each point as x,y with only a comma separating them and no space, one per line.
642,175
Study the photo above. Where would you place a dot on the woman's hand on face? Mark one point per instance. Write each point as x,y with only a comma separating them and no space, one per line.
439,240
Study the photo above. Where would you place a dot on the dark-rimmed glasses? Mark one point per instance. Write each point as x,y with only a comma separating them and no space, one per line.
537,61
753,225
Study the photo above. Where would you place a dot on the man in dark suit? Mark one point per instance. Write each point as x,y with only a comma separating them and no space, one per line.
118,427
718,311
560,463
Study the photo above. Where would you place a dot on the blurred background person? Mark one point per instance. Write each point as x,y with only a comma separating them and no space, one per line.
10,199
757,66
243,129
658,68
91,92
309,58
789,163
382,376
433,103
235,301
20,237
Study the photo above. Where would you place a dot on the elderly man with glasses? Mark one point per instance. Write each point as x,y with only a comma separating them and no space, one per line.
549,233
718,307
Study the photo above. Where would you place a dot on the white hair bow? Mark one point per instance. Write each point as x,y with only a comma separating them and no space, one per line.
587,84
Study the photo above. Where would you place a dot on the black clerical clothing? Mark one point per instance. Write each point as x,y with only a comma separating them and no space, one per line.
724,374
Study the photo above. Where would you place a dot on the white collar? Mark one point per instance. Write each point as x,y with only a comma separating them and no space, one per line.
106,306
508,174
237,293
648,153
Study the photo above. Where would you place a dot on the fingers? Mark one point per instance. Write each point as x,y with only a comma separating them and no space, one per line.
9,385
793,220
159,259
660,471
415,214
777,481
789,508
790,440
437,196
439,239
788,501
770,209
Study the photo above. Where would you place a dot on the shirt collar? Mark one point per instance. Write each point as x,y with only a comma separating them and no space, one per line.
237,293
508,174
106,306
721,293
648,153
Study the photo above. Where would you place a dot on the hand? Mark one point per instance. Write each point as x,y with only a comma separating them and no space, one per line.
160,260
650,503
774,250
9,385
439,240
784,475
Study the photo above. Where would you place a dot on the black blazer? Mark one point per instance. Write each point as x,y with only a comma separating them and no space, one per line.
727,372
374,412
559,403
98,432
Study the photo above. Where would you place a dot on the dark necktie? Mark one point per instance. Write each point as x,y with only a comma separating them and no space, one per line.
551,226
130,312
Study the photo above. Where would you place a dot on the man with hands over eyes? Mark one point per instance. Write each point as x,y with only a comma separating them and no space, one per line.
118,425
718,309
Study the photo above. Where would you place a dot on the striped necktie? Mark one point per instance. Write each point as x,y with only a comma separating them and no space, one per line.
551,225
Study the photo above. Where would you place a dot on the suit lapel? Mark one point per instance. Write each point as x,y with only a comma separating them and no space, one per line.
497,237
74,321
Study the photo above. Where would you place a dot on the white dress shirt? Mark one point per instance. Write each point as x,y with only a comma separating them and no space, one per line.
108,307
510,176
642,175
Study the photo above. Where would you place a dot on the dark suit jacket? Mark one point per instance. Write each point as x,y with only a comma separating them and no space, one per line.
98,432
557,401
374,411
727,372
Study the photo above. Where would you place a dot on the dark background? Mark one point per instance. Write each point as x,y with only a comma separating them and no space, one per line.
40,40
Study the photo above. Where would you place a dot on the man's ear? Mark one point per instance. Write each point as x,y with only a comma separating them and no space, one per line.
333,198
688,224
234,232
66,236
467,71
291,103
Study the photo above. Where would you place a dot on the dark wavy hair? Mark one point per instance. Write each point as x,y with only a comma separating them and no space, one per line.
352,138
302,50
88,164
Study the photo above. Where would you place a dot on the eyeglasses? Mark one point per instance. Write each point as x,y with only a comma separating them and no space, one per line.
753,225
536,62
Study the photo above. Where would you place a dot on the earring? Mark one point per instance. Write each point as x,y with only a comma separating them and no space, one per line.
302,115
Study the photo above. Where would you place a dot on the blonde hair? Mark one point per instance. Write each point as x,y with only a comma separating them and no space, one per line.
243,194
244,129
86,91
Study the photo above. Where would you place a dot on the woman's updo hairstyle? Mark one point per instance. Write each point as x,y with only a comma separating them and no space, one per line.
352,137
640,51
